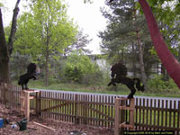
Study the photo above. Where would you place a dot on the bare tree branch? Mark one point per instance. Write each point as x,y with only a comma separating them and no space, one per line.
13,27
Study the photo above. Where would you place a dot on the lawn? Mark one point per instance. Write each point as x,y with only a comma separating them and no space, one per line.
104,89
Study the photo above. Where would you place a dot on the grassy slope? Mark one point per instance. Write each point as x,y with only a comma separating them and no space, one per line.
120,90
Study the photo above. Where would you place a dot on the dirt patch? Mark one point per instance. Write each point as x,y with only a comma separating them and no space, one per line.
61,128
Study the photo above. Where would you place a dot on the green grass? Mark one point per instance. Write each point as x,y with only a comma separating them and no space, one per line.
103,88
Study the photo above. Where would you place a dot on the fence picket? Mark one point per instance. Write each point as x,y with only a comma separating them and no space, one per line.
158,113
170,114
143,112
140,111
174,115
166,113
154,110
136,113
147,112
162,112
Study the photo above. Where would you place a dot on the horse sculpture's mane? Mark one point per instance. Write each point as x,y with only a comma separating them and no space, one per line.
119,73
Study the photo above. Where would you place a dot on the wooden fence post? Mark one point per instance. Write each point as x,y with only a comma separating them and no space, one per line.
27,105
38,103
76,110
116,130
132,106
119,116
25,102
85,109
122,115
120,108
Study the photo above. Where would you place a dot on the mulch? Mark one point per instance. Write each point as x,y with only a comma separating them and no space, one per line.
61,128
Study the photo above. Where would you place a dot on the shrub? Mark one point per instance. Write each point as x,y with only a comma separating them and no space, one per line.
157,84
79,68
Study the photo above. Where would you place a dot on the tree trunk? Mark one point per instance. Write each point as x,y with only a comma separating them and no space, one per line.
134,61
4,70
140,48
141,61
6,49
168,60
13,27
46,66
4,55
47,57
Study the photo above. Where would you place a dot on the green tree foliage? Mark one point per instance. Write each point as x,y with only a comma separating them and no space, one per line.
120,35
79,68
126,33
167,14
47,20
45,31
1,4
82,40
114,41
167,11
156,84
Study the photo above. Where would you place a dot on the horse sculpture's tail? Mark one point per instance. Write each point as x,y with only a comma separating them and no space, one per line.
139,86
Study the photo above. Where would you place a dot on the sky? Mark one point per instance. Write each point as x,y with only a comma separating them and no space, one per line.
87,16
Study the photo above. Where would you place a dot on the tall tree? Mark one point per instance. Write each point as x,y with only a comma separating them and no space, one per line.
6,48
170,63
45,31
114,37
125,32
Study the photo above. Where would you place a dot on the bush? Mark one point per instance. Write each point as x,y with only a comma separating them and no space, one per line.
79,68
157,84
93,78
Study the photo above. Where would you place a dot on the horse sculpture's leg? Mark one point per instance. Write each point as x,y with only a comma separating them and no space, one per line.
113,82
124,80
26,86
22,86
133,90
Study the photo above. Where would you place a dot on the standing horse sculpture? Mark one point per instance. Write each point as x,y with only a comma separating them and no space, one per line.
119,73
31,74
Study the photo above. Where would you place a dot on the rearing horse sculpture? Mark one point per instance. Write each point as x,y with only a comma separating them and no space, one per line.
119,73
31,74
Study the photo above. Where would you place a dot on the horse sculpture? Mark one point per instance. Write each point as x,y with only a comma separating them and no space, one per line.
31,74
119,73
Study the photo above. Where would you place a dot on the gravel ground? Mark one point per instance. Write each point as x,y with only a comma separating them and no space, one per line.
61,128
